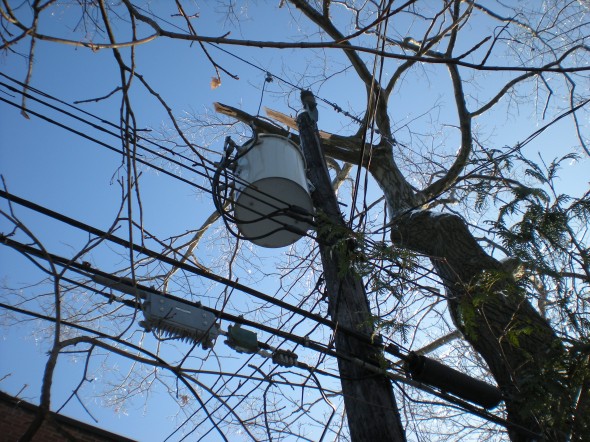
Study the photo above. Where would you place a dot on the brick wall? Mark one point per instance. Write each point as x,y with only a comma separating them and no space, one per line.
16,415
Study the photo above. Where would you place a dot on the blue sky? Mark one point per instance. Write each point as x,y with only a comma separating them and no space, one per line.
73,176
70,175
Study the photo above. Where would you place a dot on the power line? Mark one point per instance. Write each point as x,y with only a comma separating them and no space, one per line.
464,406
254,193
139,290
27,87
302,341
163,258
127,286
103,144
374,97
390,349
206,189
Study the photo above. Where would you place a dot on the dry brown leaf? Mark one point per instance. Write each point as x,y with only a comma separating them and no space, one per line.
215,82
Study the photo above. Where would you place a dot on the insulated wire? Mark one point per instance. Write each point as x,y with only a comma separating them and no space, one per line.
268,78
26,87
458,403
335,106
85,271
118,137
192,269
254,193
117,283
144,250
80,268
103,144
158,361
302,341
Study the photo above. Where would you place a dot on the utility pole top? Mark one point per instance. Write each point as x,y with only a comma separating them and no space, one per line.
309,104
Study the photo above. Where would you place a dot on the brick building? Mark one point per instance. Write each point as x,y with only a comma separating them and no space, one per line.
16,415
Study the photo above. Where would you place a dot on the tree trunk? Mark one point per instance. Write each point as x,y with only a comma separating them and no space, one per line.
370,405
544,390
523,353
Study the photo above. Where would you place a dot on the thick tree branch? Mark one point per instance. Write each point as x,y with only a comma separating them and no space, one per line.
398,192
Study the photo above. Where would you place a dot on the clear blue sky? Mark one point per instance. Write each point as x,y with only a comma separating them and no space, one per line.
62,171
65,173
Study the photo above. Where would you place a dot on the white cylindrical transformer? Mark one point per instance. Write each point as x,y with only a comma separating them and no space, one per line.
272,201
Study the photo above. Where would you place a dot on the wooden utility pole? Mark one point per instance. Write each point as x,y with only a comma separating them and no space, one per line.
370,405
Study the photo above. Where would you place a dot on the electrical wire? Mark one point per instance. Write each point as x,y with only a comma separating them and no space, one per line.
333,105
281,207
139,292
302,341
392,350
101,128
458,403
47,211
192,269
165,259
105,145
195,270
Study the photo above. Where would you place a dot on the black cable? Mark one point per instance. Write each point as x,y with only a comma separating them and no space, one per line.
463,406
192,269
304,341
102,129
253,192
284,226
106,145
87,271
152,254
374,96
288,210
157,360
334,105
27,87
